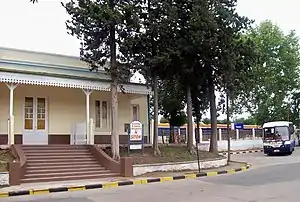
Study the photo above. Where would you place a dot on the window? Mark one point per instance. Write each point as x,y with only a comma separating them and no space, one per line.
28,113
41,113
126,127
274,133
101,117
135,112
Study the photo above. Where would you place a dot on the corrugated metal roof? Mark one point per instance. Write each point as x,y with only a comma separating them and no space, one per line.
42,69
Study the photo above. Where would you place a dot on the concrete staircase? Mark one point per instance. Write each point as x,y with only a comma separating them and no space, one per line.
61,162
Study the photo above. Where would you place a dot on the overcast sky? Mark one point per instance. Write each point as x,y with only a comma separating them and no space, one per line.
41,27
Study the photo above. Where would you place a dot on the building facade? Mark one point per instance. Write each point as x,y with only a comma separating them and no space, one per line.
48,98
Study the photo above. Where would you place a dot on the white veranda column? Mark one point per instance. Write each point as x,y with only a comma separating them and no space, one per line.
11,132
87,93
253,133
237,134
220,134
201,135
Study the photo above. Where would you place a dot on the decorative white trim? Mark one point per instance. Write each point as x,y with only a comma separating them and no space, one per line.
137,89
30,79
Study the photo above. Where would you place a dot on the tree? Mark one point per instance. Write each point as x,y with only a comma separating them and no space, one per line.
275,77
200,104
228,26
179,56
145,47
295,108
238,61
206,121
171,105
102,26
164,120
247,121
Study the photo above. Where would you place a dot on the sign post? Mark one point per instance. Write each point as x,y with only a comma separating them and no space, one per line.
135,136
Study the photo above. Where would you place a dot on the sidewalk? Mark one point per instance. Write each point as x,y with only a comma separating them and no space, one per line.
113,182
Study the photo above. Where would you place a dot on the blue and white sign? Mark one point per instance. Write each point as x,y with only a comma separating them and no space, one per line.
238,126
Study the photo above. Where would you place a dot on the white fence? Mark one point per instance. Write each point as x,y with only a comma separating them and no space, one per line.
240,139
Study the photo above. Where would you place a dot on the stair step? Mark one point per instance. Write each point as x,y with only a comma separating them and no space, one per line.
54,146
66,173
64,170
43,152
63,178
62,166
78,157
86,159
75,153
60,163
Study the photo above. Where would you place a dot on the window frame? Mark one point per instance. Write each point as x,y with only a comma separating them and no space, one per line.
100,127
138,112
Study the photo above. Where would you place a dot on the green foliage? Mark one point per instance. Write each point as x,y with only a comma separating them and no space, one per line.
171,102
247,121
92,22
200,101
274,78
163,120
206,121
295,109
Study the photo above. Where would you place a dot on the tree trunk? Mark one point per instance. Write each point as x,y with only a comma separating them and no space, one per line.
172,136
155,132
213,147
228,126
156,150
163,137
198,118
114,125
114,91
190,120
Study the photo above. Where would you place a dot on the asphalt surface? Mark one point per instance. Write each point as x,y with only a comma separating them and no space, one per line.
274,179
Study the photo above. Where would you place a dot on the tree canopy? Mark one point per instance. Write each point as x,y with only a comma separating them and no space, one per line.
275,77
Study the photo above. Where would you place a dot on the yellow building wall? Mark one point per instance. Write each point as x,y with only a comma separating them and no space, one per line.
4,108
66,106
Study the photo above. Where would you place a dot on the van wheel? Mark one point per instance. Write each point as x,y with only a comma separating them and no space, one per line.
289,153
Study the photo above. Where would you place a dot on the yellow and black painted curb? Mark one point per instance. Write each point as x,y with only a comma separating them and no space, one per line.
121,183
243,152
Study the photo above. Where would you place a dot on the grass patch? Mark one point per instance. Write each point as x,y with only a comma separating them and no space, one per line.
5,157
168,154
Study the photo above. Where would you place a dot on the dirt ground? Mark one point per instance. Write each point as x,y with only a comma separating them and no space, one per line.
5,157
168,154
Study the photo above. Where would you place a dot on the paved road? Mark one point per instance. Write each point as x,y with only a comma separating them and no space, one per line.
271,179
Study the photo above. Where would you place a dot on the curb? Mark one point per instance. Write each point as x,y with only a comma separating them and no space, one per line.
242,152
121,183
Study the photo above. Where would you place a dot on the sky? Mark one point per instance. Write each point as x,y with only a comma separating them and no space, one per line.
41,27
